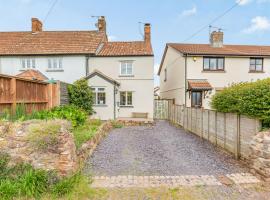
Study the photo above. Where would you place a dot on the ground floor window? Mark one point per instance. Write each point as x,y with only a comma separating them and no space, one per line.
99,96
125,98
196,99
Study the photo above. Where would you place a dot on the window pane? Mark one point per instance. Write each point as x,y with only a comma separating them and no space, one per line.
206,63
252,61
259,61
123,68
129,98
33,63
252,67
213,63
129,69
101,98
220,63
54,63
23,63
259,68
101,89
60,63
28,63
122,98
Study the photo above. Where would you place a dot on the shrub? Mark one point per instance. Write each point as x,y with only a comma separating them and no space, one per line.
76,115
251,99
80,94
44,134
8,189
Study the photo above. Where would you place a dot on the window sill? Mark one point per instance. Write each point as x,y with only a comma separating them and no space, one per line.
126,75
54,70
100,105
126,106
256,72
213,71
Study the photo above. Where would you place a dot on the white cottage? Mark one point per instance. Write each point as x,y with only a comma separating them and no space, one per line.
119,73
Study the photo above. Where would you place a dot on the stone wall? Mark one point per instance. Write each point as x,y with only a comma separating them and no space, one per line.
260,154
61,157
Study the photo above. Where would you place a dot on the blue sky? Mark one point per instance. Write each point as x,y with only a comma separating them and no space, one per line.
172,20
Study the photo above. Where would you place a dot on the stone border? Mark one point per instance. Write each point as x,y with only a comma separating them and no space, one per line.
170,181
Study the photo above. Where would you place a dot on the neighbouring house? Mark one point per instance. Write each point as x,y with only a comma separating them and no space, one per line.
190,74
119,73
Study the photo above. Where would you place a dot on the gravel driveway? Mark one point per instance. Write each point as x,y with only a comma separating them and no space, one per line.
161,149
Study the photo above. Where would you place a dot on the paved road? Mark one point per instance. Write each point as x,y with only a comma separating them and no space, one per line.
161,149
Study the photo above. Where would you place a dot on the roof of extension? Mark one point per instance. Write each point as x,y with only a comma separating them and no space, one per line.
103,76
226,50
199,84
50,42
32,75
135,48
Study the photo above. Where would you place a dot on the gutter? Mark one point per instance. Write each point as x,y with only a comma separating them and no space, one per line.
185,79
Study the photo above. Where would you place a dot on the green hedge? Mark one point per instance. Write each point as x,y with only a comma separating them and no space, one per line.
251,99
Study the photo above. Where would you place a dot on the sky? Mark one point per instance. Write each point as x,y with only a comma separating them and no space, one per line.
171,20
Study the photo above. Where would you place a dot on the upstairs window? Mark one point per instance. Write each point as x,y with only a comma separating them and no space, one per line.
126,68
213,64
55,64
28,63
125,98
99,96
256,65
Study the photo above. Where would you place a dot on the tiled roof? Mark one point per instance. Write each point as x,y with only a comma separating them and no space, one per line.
50,42
136,48
233,50
32,75
102,75
199,84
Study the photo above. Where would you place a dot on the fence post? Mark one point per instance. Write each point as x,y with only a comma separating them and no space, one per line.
13,95
237,140
208,123
225,129
201,122
49,91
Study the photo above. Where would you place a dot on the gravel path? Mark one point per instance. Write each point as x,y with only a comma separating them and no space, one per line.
158,150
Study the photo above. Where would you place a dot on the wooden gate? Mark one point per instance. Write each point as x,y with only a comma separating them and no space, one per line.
161,109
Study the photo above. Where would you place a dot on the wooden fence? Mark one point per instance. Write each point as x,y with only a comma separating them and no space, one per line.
34,95
230,131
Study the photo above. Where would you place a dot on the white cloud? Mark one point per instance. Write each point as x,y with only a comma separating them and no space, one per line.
258,23
245,2
112,38
189,12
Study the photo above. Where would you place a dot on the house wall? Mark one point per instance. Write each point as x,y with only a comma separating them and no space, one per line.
141,84
174,86
73,67
104,112
236,70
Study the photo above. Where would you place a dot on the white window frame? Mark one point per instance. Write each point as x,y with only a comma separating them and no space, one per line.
126,97
28,63
96,91
126,62
55,64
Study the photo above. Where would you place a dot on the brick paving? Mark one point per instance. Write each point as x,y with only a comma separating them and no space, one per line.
169,181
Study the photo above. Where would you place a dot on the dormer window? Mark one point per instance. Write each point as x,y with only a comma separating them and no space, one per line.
256,65
126,68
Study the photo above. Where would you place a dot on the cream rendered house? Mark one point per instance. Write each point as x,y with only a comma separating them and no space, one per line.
190,74
119,73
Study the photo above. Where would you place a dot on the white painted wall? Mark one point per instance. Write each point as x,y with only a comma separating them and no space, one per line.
141,84
174,86
73,67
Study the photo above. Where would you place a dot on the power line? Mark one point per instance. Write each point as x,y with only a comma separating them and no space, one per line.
50,10
214,20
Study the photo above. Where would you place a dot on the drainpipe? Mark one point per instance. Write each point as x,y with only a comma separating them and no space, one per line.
87,64
185,79
114,102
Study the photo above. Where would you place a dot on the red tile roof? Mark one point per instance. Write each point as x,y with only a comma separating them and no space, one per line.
226,50
32,75
199,84
136,48
50,42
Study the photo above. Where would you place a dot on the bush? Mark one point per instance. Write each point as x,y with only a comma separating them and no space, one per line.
251,99
80,94
76,115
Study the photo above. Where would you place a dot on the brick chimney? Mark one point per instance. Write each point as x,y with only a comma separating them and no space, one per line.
101,24
147,33
36,25
216,39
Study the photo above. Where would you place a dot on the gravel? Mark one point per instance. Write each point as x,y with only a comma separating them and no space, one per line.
161,149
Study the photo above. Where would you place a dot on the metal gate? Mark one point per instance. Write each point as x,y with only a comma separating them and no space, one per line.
161,109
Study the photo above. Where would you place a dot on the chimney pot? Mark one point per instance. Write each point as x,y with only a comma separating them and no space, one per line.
102,24
36,25
216,39
147,33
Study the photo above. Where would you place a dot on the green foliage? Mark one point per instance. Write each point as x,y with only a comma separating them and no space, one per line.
72,113
80,94
8,189
251,99
44,135
20,113
117,124
84,133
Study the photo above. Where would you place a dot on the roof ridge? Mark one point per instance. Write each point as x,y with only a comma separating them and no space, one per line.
256,45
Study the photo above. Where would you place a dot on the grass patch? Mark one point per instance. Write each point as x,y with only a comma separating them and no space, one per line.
85,132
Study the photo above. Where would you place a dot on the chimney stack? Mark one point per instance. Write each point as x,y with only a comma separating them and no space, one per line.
36,25
147,33
216,39
102,24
